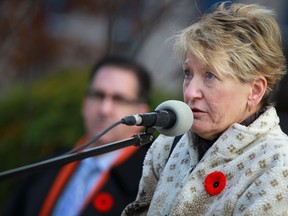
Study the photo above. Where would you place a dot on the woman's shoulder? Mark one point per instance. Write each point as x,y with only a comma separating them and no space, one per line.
161,146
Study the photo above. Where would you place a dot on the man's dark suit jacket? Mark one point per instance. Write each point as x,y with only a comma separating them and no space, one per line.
117,191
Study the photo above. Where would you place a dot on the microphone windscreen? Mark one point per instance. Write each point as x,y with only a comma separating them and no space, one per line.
184,117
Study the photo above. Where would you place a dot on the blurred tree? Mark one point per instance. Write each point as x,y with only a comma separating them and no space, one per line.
40,119
37,37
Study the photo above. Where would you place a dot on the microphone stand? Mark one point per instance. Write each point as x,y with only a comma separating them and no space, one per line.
136,140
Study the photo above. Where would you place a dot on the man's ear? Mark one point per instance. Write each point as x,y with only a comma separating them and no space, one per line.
258,89
84,105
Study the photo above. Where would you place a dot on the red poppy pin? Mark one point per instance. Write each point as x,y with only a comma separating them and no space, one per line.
103,202
214,183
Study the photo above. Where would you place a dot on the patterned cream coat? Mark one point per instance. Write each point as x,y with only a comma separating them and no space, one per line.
254,160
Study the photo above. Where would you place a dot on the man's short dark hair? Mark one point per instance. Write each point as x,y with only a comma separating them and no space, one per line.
142,74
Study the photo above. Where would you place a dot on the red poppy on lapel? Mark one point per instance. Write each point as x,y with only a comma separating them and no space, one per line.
214,183
103,202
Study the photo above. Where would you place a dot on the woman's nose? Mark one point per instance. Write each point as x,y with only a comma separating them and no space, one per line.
192,90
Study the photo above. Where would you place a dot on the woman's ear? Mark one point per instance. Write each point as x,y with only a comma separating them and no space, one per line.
258,90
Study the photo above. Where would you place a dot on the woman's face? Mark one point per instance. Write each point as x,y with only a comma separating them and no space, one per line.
217,101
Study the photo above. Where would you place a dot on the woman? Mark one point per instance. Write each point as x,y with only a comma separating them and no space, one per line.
234,161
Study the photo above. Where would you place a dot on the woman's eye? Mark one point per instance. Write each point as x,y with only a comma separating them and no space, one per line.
210,75
188,74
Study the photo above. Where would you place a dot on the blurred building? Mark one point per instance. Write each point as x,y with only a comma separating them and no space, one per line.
44,36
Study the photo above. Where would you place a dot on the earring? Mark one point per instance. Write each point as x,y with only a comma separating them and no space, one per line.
250,106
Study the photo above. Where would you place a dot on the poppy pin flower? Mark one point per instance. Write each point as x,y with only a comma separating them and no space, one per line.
214,183
103,202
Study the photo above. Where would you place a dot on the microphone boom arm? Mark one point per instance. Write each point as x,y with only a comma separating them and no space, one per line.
136,140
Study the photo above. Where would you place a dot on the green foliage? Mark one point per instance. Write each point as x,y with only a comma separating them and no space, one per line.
39,119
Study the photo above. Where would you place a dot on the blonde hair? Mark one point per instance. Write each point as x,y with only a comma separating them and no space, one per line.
243,41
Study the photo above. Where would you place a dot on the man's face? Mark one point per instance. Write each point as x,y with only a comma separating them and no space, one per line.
113,95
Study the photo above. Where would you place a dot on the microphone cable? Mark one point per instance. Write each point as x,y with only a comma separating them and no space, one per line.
94,139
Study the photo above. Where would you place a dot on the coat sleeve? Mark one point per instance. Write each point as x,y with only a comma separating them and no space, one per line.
154,164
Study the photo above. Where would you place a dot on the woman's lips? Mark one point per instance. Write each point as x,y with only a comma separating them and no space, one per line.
197,112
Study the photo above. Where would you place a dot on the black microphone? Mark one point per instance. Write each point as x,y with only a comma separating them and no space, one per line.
171,118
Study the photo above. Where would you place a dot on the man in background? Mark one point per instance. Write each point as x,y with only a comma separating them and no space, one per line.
104,184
